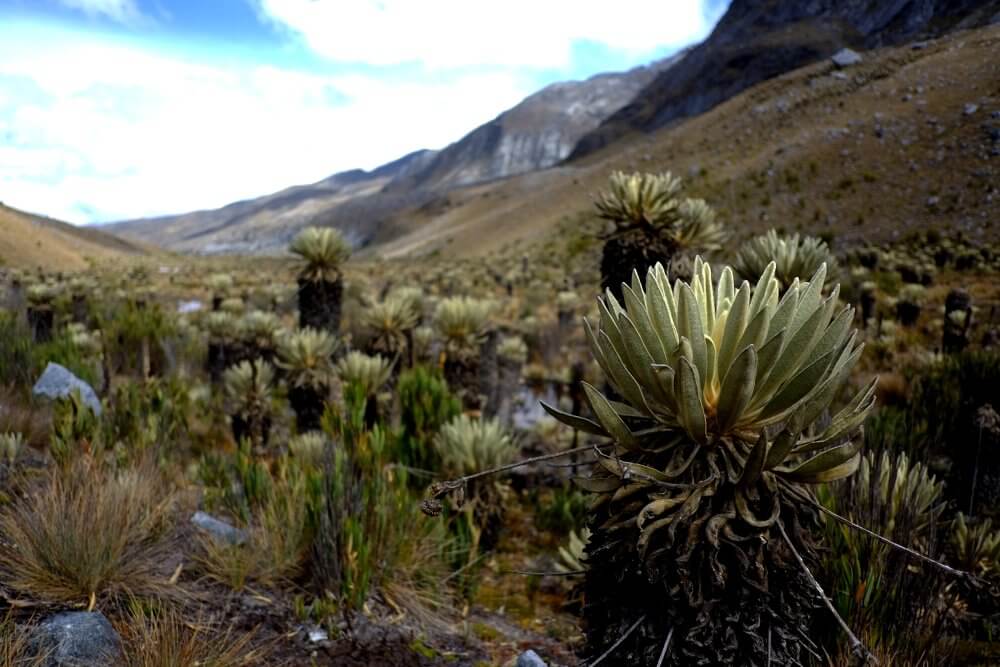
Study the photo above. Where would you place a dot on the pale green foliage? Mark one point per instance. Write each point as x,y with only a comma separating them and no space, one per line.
912,294
10,446
468,445
391,318
220,283
307,355
652,201
259,327
703,369
567,301
233,305
914,490
572,556
42,294
794,257
324,250
221,325
977,547
697,228
513,349
640,199
367,372
249,385
309,447
462,319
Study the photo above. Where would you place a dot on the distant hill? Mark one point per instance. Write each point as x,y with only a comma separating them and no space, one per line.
759,39
30,241
537,133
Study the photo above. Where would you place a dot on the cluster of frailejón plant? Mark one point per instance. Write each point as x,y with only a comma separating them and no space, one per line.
324,250
793,257
715,442
652,201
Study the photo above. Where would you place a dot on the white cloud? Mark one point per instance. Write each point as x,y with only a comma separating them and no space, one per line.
98,131
457,33
123,11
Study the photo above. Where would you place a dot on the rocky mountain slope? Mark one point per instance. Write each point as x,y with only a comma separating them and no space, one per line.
759,39
907,139
537,133
30,241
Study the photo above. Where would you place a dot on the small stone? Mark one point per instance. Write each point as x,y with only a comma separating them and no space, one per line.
185,307
530,659
58,382
220,530
933,201
76,639
839,75
846,58
970,109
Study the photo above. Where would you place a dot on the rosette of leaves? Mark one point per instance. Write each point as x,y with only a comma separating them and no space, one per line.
249,389
306,355
368,374
461,321
976,545
793,257
651,222
465,446
716,439
309,448
323,251
391,322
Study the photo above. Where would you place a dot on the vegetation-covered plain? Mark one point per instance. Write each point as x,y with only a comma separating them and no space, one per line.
635,442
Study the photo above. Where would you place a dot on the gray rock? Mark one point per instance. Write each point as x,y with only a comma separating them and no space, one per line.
58,382
530,659
76,639
970,109
218,529
846,58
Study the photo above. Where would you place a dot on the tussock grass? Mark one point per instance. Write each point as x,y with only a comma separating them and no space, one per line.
277,542
84,532
160,637
14,646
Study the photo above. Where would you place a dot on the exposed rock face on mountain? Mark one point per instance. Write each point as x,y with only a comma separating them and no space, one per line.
537,133
759,39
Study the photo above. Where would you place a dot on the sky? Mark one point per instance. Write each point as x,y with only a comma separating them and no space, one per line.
118,109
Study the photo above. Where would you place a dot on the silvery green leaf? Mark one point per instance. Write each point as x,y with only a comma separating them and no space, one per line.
574,421
691,410
826,466
736,323
762,292
608,418
781,448
690,324
737,388
754,465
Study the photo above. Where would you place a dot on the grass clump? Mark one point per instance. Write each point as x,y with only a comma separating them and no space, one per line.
84,533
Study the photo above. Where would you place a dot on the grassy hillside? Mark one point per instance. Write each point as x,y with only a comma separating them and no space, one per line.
906,140
29,241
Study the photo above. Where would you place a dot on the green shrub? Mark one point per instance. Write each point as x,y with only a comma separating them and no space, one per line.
425,405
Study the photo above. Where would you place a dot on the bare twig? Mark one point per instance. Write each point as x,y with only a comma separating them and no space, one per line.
666,646
857,648
465,567
916,554
511,466
618,642
567,573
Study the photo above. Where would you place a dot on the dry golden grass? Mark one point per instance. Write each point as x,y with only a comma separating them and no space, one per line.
14,646
160,637
275,549
27,241
82,533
